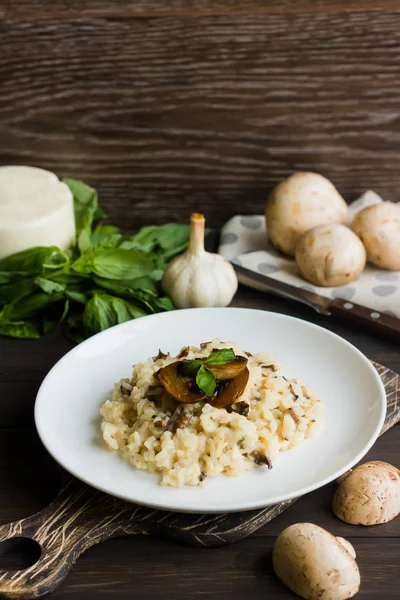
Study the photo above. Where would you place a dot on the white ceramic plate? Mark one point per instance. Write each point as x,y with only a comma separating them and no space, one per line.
68,402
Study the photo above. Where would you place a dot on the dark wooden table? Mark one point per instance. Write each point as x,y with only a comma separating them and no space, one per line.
147,567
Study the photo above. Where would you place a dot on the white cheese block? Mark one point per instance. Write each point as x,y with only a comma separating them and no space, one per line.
36,209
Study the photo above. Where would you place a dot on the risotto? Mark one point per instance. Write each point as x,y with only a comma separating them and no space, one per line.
186,443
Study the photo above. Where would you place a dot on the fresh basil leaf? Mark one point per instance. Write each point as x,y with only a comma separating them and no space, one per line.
103,311
106,235
84,238
18,329
103,230
99,313
145,284
157,274
124,286
48,286
76,296
86,209
143,298
65,311
109,241
130,290
85,202
169,239
99,214
206,380
12,292
67,277
125,310
114,263
143,239
26,263
164,303
220,357
56,260
29,306
191,367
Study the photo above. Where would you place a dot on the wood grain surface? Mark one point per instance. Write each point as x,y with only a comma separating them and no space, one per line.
144,8
169,115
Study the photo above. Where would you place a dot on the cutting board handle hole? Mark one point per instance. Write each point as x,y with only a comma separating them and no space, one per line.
19,553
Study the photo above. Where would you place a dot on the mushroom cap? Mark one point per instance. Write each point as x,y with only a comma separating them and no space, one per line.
330,255
369,495
378,227
299,203
315,564
346,544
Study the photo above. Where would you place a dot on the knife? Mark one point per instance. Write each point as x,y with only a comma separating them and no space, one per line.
350,312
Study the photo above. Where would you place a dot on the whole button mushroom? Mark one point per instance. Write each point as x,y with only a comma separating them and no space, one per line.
299,203
330,255
315,564
369,495
378,226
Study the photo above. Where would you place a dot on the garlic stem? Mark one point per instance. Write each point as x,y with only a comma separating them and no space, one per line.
196,244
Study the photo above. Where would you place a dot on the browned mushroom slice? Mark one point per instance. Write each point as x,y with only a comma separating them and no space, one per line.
261,459
229,391
184,352
228,370
179,386
160,355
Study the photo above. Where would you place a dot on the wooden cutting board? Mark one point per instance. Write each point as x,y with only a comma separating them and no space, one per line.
80,517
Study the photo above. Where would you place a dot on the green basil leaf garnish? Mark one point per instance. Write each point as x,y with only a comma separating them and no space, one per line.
220,357
206,380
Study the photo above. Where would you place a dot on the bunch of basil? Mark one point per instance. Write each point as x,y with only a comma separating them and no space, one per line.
106,279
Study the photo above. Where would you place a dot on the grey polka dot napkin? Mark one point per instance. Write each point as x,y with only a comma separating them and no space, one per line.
244,240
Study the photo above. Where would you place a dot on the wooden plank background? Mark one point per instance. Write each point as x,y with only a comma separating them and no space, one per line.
166,115
35,8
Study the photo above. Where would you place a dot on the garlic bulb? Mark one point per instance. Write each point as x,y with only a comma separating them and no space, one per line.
198,278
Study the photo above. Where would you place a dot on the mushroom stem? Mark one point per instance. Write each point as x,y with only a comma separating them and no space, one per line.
196,244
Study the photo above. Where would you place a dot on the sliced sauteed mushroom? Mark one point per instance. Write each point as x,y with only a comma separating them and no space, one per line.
243,408
160,355
173,420
230,390
181,387
292,413
230,381
228,370
261,459
184,418
204,344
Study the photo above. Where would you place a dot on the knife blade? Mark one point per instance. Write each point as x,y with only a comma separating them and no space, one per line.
355,314
267,284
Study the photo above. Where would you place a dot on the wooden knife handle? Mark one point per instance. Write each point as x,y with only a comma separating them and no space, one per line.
370,320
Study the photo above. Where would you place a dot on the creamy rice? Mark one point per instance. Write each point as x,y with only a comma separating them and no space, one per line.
185,444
